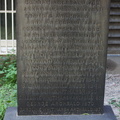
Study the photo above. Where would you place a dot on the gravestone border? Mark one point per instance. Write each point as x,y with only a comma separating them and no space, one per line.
11,114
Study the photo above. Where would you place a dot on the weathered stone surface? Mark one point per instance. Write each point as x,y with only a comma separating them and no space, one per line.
61,56
11,114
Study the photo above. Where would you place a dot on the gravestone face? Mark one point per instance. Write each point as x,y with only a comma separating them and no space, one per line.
61,56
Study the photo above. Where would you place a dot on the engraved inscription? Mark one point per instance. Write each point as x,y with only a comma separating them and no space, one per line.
61,52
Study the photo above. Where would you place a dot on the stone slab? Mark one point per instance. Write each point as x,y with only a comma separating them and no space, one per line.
11,114
61,56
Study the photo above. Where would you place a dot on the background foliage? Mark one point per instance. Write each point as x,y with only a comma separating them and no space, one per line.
8,87
7,98
8,72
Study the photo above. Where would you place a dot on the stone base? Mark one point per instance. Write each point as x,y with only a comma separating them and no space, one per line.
11,114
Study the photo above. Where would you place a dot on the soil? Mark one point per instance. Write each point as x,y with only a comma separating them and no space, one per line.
112,92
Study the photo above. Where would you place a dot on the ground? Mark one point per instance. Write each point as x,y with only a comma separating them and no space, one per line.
112,91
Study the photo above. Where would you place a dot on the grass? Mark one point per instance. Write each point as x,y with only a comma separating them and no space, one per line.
8,98
115,103
8,86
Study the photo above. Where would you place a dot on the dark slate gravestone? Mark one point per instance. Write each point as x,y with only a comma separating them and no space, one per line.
61,57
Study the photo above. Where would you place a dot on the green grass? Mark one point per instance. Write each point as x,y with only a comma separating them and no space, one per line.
8,70
8,98
115,103
8,87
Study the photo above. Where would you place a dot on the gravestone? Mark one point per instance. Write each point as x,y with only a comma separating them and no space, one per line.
61,47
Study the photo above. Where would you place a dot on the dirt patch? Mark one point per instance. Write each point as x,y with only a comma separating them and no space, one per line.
112,91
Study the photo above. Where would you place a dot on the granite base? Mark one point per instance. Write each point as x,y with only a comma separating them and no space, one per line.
11,114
